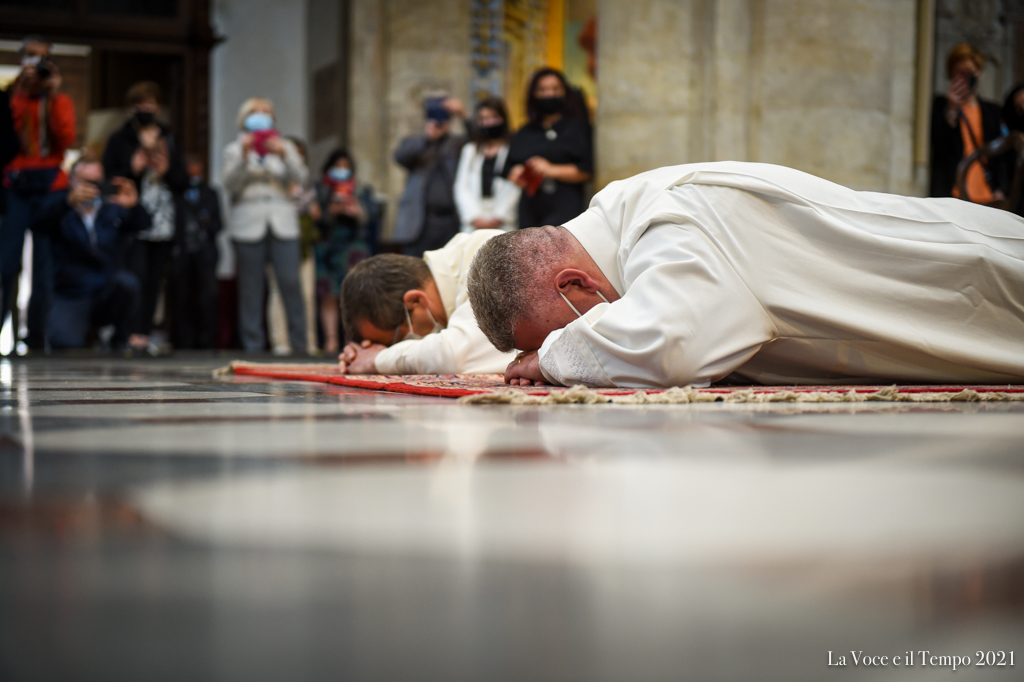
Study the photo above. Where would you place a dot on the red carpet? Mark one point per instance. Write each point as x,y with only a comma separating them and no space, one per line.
457,386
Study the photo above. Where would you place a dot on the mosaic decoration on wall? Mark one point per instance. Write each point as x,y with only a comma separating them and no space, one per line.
526,41
488,48
511,39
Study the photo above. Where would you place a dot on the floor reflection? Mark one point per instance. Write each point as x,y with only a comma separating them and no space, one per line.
156,523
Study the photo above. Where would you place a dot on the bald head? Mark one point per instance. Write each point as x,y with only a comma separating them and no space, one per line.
516,280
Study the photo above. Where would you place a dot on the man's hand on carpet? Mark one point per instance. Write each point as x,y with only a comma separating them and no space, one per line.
360,358
525,371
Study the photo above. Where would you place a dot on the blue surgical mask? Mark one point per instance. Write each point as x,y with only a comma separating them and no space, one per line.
339,174
257,121
578,313
413,336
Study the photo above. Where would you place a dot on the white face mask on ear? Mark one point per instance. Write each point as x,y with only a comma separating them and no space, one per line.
578,313
413,336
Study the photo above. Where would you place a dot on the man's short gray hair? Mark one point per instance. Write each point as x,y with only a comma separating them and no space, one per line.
502,275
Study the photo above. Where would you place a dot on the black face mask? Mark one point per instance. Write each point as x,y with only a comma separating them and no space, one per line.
550,105
493,132
145,118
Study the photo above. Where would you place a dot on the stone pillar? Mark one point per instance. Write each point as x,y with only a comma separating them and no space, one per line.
650,55
825,86
401,50
367,115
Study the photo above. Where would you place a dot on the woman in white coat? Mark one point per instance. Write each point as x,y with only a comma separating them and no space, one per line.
485,199
259,166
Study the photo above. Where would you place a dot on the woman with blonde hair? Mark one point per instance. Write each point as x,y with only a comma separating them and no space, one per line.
259,166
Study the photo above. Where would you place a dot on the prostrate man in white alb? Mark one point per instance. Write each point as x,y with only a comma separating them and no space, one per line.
685,274
392,305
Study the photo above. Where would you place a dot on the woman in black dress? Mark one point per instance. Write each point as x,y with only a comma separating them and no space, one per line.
551,157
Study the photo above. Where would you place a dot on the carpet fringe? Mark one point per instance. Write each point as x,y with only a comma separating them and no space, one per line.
581,395
229,369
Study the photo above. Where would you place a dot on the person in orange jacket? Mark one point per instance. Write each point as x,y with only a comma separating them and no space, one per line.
44,121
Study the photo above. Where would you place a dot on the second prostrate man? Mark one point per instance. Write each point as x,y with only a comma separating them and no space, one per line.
408,315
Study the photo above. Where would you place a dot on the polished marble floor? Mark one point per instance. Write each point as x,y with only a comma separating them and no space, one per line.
157,523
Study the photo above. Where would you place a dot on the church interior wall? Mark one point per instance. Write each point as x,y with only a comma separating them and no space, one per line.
823,86
264,54
401,50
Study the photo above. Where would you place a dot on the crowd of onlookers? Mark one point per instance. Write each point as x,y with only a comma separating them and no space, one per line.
126,239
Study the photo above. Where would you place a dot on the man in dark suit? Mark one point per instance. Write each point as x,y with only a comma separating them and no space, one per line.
90,233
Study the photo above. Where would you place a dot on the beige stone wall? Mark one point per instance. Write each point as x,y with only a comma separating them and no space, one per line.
401,49
826,86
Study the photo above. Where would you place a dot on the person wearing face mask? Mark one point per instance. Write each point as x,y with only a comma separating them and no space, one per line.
259,167
193,294
44,121
408,315
348,228
551,157
427,216
485,199
145,151
89,234
961,122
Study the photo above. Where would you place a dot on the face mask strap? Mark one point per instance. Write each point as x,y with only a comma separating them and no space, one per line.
411,335
578,314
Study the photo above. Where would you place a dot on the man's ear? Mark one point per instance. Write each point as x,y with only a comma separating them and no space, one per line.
415,297
572,278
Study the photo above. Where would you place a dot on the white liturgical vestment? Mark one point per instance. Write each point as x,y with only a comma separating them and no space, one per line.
786,278
459,348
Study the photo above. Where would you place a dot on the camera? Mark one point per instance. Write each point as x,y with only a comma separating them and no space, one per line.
106,189
972,82
44,67
436,111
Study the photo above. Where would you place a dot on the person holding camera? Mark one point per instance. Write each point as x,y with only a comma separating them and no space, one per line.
144,151
89,234
348,226
258,169
427,216
44,120
961,123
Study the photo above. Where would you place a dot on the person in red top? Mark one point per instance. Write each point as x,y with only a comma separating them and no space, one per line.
44,121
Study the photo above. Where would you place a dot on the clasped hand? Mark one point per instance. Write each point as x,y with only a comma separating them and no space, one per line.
525,371
358,358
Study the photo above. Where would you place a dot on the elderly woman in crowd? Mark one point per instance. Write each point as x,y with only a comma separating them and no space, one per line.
485,199
259,166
